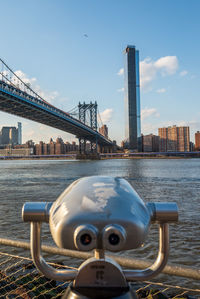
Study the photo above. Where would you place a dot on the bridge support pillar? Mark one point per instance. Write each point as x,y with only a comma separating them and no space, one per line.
105,149
82,145
101,149
93,147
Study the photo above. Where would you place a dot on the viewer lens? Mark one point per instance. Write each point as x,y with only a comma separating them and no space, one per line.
86,239
114,239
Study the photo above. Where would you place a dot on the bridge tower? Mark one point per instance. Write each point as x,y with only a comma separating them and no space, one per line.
88,111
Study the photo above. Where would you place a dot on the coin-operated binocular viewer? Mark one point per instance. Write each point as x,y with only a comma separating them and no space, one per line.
99,213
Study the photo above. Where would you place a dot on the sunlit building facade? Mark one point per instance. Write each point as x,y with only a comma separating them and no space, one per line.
104,131
19,133
11,135
132,99
197,141
174,139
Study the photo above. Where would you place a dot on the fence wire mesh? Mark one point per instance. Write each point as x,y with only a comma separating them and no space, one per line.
20,279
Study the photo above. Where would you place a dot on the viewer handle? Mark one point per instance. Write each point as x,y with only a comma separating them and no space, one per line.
160,262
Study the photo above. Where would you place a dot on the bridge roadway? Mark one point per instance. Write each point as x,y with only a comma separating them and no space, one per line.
18,102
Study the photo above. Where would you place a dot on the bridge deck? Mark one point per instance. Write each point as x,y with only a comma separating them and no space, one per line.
18,102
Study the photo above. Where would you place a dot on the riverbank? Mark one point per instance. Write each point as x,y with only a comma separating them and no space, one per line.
147,157
34,157
107,156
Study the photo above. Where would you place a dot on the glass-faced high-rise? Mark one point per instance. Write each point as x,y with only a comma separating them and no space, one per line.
132,99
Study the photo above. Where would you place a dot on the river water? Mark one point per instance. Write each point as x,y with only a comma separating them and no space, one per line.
176,180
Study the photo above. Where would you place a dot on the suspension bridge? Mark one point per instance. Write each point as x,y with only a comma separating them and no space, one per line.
17,97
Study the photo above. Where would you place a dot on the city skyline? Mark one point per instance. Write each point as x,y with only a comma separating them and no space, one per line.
171,134
66,67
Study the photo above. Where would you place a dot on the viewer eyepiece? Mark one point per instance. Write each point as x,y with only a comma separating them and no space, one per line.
114,239
85,237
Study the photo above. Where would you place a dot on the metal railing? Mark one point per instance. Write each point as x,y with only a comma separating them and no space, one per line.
20,279
126,262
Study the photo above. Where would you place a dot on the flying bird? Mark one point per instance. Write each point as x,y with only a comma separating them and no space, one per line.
85,35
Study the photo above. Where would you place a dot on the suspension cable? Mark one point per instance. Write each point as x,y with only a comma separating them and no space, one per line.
99,117
28,87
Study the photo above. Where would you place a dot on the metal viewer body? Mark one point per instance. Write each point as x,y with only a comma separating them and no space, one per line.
100,213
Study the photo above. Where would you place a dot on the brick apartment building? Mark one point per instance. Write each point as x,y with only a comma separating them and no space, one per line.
174,139
197,141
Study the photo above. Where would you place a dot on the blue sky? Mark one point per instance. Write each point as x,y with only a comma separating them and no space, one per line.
44,40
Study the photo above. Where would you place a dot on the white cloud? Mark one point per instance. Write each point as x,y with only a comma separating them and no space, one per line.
147,72
24,78
161,90
168,64
121,72
147,112
120,89
149,69
30,129
106,115
183,73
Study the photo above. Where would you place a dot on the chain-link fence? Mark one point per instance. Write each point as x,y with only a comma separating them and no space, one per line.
161,290
20,279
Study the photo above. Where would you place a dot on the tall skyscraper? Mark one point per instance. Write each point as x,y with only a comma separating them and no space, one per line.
19,133
11,135
132,99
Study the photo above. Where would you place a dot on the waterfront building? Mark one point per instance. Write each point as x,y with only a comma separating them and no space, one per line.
74,147
45,149
192,146
16,152
51,147
183,139
71,147
104,131
26,149
11,135
163,134
123,144
150,143
197,141
132,99
60,146
39,149
174,139
55,148
19,133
